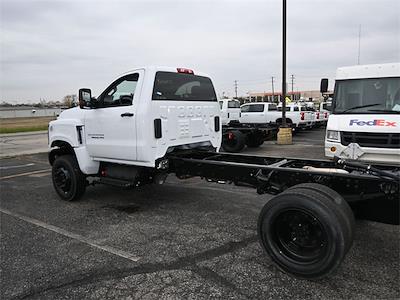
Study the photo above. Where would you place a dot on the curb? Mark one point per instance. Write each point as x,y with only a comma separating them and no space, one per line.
21,153
23,133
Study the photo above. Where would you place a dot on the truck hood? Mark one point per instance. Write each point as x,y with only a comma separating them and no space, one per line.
72,113
365,123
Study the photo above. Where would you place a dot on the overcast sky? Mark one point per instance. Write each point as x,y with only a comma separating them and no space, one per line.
52,48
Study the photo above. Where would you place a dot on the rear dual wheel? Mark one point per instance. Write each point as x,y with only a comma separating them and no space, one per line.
253,141
306,230
233,141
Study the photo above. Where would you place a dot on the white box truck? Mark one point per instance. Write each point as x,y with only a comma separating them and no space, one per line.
364,123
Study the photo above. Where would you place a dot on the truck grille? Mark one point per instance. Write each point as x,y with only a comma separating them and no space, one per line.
367,139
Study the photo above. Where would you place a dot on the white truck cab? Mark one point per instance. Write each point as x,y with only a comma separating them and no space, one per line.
139,118
230,111
258,113
365,120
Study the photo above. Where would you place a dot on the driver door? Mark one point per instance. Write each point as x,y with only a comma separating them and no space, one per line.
110,127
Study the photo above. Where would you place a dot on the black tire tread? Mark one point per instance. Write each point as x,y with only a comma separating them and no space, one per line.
323,201
79,178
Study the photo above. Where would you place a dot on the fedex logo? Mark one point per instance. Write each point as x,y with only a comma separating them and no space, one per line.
373,123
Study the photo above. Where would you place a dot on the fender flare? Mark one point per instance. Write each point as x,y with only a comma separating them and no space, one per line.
86,164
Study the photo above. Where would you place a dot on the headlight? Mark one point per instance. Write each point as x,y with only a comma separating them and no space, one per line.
333,135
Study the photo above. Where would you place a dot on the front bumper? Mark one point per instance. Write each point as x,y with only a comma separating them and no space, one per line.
355,152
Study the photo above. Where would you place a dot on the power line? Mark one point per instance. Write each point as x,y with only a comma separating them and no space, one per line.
359,44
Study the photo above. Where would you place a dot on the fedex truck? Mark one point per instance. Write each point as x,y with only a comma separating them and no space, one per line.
365,119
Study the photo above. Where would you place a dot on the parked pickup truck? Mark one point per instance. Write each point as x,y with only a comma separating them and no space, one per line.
269,113
230,111
325,109
259,113
298,116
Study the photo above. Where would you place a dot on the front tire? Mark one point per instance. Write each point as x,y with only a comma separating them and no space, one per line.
304,232
68,180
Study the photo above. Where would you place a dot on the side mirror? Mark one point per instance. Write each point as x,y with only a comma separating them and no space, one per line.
85,96
324,85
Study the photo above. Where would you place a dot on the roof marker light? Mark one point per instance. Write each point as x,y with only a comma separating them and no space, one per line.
184,70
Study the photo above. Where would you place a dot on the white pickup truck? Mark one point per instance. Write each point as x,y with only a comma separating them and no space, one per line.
259,113
297,115
324,110
230,111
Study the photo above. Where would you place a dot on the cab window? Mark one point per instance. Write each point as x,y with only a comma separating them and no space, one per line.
252,108
120,92
286,108
183,87
233,104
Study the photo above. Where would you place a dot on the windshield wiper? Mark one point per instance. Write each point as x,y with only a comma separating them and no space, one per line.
386,111
361,106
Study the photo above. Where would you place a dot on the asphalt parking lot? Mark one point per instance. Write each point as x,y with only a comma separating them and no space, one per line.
183,240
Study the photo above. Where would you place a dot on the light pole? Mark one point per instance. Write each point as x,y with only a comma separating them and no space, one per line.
284,136
284,63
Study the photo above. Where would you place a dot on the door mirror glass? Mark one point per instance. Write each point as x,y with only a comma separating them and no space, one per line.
324,85
85,98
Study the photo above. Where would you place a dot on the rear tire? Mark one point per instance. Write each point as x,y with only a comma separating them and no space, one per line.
345,212
233,141
68,180
254,141
304,232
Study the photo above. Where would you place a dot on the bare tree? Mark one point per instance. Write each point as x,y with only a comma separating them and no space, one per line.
69,100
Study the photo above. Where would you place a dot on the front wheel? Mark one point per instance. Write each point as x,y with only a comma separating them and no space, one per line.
304,232
68,180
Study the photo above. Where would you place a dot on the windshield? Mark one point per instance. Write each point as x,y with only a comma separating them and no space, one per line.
371,96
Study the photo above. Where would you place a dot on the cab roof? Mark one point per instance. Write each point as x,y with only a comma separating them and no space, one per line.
368,71
154,69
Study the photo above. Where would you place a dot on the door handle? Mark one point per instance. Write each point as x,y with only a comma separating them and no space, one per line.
127,115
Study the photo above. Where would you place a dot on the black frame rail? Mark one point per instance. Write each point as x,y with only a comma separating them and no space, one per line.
273,175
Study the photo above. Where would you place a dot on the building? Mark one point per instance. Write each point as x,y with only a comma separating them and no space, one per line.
277,96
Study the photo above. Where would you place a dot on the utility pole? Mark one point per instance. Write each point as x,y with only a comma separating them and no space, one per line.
236,88
273,92
292,78
359,44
